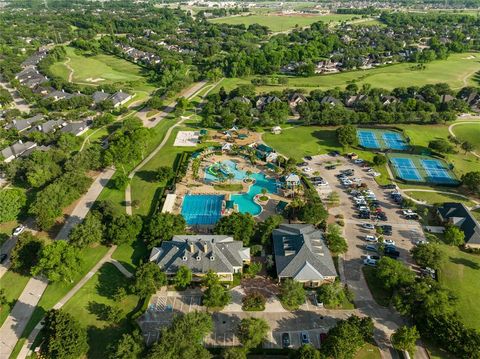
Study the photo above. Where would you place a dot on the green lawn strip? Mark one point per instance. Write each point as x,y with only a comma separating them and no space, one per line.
13,283
233,187
88,304
368,351
381,296
468,132
278,23
6,230
451,71
460,275
131,255
56,291
434,198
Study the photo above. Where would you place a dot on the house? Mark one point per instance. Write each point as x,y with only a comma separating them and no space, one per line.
100,96
25,123
241,99
296,99
59,95
16,150
120,98
302,255
50,126
263,101
354,100
446,98
291,180
271,157
202,253
226,147
262,151
76,128
276,130
329,100
388,100
458,215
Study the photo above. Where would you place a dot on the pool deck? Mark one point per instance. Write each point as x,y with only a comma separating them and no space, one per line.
189,185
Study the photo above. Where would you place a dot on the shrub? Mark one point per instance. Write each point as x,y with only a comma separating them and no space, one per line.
254,302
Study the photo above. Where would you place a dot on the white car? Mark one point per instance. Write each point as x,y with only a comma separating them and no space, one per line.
375,174
407,212
347,183
17,231
368,226
420,241
356,179
389,242
363,208
370,262
370,238
325,183
358,161
307,169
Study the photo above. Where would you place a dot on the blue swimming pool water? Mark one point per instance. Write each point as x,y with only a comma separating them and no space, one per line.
245,200
202,209
225,167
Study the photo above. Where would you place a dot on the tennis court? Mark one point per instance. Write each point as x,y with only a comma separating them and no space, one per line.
381,139
419,168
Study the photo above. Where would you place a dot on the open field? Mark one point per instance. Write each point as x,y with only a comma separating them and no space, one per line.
468,132
433,198
458,71
88,307
278,22
460,275
368,351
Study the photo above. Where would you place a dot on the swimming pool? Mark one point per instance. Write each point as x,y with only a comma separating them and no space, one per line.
202,209
245,201
225,167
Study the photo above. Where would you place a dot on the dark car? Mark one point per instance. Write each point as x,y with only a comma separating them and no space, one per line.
389,186
286,340
391,252
330,167
308,158
302,164
3,257
333,153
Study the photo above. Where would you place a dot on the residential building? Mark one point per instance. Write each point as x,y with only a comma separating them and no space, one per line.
302,255
23,124
263,101
120,98
202,253
292,180
457,214
76,128
100,96
16,150
296,99
329,100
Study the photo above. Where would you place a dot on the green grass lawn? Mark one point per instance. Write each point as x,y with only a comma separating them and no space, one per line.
468,132
56,291
88,304
458,71
277,23
131,255
368,351
233,187
433,198
460,274
13,284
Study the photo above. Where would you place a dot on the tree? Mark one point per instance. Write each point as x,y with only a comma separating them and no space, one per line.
164,173
252,331
12,202
379,160
313,212
121,181
254,301
347,136
454,236
123,228
428,255
336,243
3,299
234,353
162,227
405,338
148,279
332,294
307,351
393,274
471,180
265,228
441,145
253,269
130,346
63,336
183,340
183,277
292,294
25,254
240,225
216,295
58,261
88,232
468,146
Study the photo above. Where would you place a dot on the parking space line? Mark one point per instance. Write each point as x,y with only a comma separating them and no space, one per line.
190,306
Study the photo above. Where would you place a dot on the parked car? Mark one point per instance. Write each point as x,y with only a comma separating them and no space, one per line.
371,247
305,338
3,257
428,272
307,169
412,216
333,153
308,158
330,167
389,242
286,340
374,257
349,171
370,262
391,252
420,241
302,164
370,238
389,186
358,161
17,231
368,226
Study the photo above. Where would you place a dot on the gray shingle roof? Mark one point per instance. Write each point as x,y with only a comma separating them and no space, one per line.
23,124
75,128
301,253
99,96
461,217
200,253
119,96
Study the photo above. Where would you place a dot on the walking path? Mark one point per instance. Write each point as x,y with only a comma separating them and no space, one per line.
107,258
450,130
72,71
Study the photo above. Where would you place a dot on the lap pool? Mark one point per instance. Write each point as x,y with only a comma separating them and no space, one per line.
202,209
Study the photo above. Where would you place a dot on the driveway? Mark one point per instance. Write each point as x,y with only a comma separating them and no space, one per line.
18,102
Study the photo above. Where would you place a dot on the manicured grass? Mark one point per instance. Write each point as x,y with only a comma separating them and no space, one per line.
460,275
368,351
106,67
234,187
90,301
277,22
381,296
468,132
131,255
13,284
458,71
433,198
56,291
